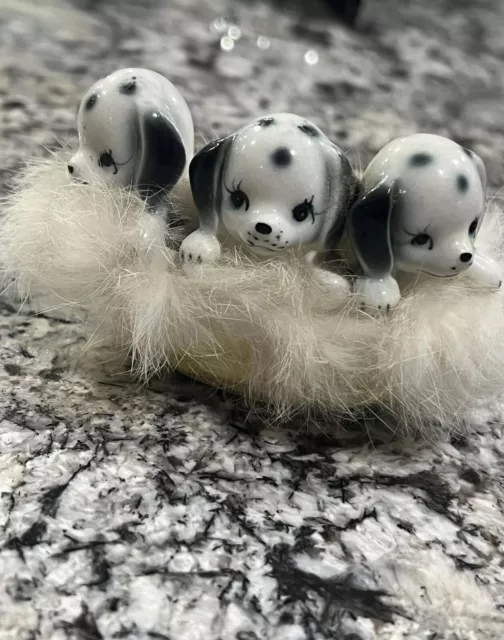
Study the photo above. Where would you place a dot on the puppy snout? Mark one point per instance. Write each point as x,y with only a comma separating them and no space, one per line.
466,257
263,228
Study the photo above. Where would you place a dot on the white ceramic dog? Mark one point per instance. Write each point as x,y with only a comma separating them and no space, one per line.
135,129
421,206
276,184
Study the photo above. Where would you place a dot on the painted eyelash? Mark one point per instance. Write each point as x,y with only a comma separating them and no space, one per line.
418,233
313,214
319,213
237,191
421,233
105,158
112,161
233,188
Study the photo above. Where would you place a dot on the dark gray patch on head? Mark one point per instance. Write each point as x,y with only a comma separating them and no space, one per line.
266,122
281,157
128,88
420,160
462,183
90,102
309,130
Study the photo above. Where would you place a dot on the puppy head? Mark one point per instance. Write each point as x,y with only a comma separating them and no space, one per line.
436,203
277,183
133,130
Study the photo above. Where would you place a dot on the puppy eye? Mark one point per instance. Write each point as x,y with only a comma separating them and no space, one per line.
238,197
421,240
303,210
473,227
106,160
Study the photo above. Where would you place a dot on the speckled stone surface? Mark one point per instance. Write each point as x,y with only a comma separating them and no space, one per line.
166,512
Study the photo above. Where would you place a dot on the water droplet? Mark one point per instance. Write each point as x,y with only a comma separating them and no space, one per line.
263,42
234,32
311,56
226,43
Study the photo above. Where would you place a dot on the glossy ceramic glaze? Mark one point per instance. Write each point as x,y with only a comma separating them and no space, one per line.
135,129
421,207
276,184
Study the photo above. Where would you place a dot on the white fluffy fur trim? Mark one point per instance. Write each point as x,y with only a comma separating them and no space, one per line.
264,328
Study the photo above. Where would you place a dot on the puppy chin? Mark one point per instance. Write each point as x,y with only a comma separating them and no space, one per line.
78,179
261,250
430,270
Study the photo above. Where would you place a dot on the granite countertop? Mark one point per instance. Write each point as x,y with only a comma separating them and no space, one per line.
169,511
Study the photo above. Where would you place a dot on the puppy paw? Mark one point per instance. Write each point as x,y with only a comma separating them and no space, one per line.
199,248
332,282
378,295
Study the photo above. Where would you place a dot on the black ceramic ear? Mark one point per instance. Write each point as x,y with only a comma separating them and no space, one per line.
480,168
369,228
205,175
348,192
162,156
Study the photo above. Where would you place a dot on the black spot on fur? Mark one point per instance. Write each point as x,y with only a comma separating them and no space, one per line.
90,102
281,157
128,88
468,152
266,122
462,183
420,160
309,130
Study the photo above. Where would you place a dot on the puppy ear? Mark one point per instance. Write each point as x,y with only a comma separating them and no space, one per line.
480,168
162,154
369,227
205,174
338,167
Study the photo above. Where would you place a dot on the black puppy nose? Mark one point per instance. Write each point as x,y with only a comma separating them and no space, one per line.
263,228
465,257
70,169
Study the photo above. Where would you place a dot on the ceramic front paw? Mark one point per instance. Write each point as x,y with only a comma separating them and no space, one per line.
377,294
331,281
485,273
199,248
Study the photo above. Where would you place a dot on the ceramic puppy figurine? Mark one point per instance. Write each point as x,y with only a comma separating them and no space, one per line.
276,184
420,209
135,129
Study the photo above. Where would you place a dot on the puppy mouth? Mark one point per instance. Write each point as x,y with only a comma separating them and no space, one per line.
257,243
78,180
452,275
264,247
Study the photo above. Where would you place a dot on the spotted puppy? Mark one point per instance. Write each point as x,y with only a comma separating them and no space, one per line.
276,184
421,206
135,129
